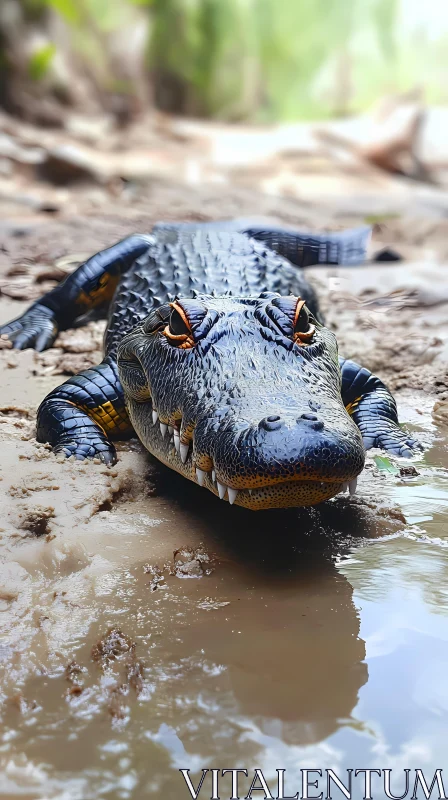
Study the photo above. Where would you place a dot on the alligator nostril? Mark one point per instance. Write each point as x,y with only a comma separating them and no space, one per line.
317,424
272,423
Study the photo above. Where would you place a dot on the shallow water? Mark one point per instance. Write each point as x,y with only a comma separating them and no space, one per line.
287,640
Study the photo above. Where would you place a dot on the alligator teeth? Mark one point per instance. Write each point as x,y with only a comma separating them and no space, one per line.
170,429
344,488
232,495
176,440
221,490
155,416
184,448
352,486
200,475
250,491
163,429
213,475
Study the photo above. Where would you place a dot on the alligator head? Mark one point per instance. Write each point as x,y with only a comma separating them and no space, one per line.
242,396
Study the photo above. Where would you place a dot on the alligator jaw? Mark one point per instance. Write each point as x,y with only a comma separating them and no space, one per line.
284,494
292,492
263,497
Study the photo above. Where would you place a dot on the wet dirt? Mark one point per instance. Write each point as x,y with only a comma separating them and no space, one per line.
147,627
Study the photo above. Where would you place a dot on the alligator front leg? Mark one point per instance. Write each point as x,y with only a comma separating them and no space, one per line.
78,417
92,285
374,410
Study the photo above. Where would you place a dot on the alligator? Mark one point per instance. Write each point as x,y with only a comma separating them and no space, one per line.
216,355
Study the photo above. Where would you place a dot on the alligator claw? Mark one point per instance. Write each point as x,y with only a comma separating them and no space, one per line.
36,328
82,450
395,441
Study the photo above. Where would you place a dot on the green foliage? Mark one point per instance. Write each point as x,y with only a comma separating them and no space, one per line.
295,43
257,59
385,464
264,56
384,18
68,9
103,15
40,61
377,219
208,46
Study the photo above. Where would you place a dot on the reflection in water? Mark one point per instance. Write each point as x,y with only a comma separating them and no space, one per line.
291,653
290,639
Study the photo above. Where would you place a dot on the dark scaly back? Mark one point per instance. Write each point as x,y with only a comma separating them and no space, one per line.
183,262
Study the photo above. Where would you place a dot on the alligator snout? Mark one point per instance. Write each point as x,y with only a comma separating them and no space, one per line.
281,461
279,448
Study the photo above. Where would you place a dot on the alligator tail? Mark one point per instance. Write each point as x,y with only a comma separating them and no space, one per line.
304,249
347,248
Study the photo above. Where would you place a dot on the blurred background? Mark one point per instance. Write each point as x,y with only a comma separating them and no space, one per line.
256,60
289,97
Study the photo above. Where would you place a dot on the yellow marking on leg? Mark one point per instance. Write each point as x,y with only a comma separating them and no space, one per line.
102,293
110,419
87,412
353,406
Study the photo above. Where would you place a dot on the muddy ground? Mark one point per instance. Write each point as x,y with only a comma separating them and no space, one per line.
70,533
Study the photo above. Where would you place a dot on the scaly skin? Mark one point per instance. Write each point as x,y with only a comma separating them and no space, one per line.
213,358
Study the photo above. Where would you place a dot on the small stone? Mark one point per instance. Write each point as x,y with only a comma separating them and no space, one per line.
440,412
408,472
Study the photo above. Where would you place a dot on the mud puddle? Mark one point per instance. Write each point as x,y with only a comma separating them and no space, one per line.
185,635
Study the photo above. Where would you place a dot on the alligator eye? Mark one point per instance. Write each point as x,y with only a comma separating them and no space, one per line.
303,330
291,315
178,331
179,325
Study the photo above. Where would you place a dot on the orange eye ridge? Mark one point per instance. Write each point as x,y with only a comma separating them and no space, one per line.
302,337
178,331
